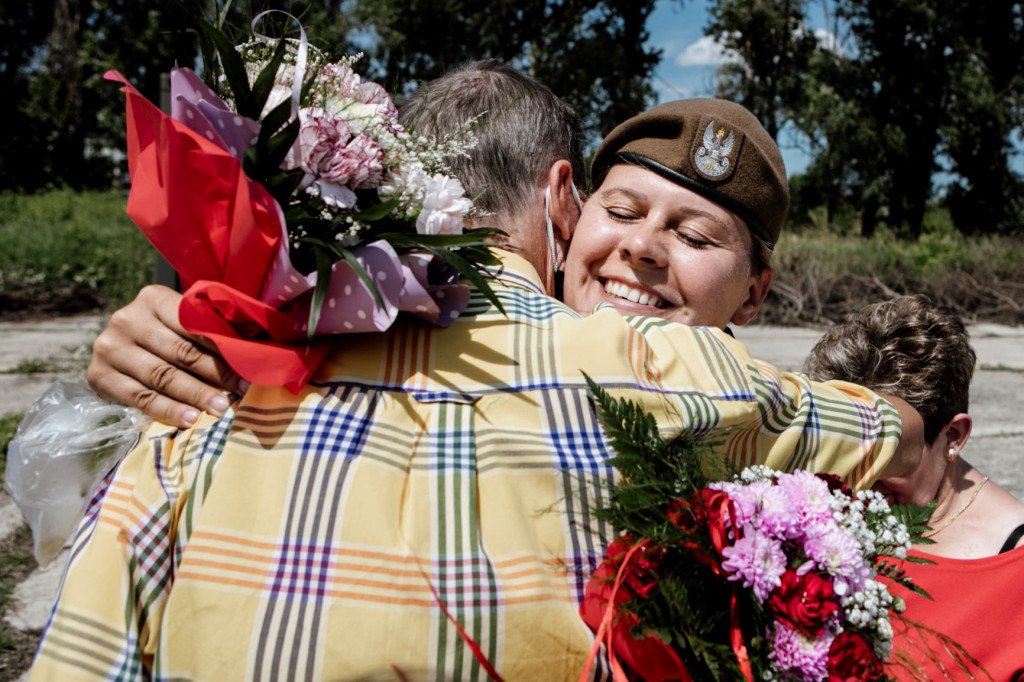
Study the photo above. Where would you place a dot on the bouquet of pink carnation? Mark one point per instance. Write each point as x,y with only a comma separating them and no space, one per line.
767,575
293,204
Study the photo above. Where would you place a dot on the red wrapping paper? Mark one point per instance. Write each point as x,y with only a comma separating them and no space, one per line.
220,231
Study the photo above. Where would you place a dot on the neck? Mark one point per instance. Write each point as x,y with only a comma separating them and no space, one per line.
959,483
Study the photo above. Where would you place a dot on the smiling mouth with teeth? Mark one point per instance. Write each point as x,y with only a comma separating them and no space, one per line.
620,290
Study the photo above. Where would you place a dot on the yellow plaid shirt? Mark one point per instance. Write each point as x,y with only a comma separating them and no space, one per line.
426,477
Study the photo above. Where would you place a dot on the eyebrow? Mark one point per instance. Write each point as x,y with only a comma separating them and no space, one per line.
636,194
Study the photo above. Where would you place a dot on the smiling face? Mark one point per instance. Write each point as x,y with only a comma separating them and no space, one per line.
651,247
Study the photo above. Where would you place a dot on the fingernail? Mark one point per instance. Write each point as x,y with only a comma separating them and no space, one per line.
190,416
219,404
243,386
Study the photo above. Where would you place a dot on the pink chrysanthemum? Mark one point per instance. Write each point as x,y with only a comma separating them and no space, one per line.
766,507
745,499
799,655
833,550
808,495
757,560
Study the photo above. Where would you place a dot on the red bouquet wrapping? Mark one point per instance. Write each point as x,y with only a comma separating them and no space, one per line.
343,190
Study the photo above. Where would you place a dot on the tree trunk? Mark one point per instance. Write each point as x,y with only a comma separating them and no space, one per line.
66,70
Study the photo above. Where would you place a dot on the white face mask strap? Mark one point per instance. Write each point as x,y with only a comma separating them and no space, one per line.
576,195
551,227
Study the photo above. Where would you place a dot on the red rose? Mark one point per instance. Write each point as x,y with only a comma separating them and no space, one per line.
850,659
835,483
719,512
686,514
641,575
648,656
804,602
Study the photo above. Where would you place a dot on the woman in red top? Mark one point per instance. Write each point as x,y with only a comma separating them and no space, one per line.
909,347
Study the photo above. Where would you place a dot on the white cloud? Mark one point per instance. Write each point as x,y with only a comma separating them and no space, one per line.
705,52
827,41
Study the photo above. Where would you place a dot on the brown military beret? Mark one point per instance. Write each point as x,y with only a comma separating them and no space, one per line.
710,146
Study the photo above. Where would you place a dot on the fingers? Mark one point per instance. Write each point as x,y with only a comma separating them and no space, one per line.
145,359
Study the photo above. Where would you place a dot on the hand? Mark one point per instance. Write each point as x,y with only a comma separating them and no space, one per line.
145,359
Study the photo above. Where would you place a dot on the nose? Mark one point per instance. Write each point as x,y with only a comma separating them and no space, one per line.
642,247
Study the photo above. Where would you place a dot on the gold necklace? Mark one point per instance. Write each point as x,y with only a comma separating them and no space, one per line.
962,510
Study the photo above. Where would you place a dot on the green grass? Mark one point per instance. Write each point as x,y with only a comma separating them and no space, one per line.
8,425
35,367
16,563
822,276
64,239
886,257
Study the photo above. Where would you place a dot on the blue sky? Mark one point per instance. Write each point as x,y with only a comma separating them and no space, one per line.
689,59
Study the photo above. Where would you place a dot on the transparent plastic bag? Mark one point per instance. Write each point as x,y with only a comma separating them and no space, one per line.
67,442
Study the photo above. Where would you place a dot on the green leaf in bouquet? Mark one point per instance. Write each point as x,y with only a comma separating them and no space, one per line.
323,278
361,271
280,143
482,237
323,267
915,518
632,433
894,573
468,270
262,161
234,71
376,212
350,258
268,75
222,16
283,185
273,122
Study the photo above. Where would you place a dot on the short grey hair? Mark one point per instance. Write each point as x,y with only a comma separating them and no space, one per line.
523,129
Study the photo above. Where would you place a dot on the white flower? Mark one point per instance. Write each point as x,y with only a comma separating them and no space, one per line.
407,183
443,206
361,103
282,90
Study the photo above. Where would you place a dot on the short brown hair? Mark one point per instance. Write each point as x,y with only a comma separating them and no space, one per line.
908,347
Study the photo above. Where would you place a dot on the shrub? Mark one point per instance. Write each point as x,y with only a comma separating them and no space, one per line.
65,240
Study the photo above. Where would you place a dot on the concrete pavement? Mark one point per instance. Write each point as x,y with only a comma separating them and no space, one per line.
996,445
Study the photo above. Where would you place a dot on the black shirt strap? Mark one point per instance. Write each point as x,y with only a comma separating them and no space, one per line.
1014,538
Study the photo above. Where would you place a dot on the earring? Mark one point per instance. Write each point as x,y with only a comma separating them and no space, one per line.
951,455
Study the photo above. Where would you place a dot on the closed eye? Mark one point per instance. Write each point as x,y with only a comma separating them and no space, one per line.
693,240
620,216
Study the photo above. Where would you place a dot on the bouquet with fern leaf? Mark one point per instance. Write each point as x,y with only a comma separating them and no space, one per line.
751,575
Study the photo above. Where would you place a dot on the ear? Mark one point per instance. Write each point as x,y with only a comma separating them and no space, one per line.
563,210
958,430
757,291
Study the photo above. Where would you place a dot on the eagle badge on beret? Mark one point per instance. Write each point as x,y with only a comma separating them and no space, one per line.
712,157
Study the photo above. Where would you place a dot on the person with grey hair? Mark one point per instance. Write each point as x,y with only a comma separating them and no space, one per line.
914,349
528,141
